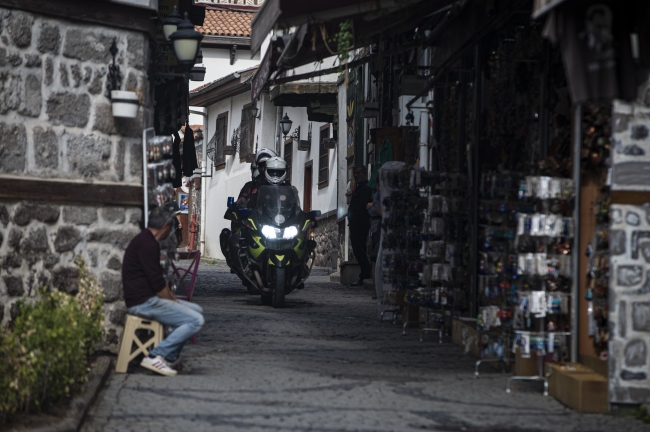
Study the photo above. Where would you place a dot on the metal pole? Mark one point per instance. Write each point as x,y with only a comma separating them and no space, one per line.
575,288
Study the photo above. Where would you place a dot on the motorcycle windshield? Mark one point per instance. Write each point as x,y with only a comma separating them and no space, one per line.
279,203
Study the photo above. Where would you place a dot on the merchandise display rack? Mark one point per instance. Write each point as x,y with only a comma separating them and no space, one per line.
158,173
424,258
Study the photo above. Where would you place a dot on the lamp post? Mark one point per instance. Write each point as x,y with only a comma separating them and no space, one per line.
170,25
286,123
186,42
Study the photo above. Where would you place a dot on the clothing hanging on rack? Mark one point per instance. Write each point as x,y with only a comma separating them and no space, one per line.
189,152
176,160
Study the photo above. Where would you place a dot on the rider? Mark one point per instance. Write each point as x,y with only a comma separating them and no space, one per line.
257,175
275,174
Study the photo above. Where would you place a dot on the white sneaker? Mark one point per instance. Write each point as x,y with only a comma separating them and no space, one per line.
157,365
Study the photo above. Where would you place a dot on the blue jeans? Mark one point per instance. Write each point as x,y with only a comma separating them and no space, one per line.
185,317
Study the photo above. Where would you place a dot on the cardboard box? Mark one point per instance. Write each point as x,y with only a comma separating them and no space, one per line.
526,366
578,387
464,333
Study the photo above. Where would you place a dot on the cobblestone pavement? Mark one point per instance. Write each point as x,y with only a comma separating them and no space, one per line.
323,363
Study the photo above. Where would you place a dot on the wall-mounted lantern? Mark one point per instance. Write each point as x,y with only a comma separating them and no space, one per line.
124,103
255,111
186,42
170,25
198,70
286,123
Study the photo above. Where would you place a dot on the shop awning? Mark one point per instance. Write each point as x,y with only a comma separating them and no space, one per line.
543,6
215,91
371,16
320,99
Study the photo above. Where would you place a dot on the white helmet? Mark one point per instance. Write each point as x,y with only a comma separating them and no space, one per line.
261,157
276,170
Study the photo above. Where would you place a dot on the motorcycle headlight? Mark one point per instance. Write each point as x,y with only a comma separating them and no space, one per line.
290,232
269,232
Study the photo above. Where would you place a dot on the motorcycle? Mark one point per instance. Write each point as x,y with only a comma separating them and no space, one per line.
274,254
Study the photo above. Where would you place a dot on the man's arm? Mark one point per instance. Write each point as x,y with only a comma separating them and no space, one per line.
166,293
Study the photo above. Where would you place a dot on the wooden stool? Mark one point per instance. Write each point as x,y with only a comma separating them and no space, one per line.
127,353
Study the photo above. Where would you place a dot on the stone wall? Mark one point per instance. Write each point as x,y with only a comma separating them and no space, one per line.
327,240
56,122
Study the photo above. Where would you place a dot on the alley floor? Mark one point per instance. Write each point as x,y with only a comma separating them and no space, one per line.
323,363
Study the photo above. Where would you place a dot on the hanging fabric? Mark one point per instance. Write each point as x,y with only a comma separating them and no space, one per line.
176,160
189,153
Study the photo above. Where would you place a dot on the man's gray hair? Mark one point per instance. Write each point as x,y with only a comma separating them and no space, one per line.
160,217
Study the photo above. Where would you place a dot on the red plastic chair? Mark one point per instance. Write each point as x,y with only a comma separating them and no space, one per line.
182,273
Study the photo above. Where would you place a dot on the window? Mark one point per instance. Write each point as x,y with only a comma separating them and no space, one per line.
323,158
220,136
288,153
247,131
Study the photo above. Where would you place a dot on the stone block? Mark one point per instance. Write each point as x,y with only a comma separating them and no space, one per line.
629,275
48,72
69,109
49,39
14,59
112,286
622,318
4,215
627,375
46,148
117,238
113,214
97,84
118,161
23,214
15,235
632,218
104,121
639,394
46,213
136,52
641,316
32,102
2,238
67,237
639,132
80,215
12,261
135,216
118,315
129,127
75,71
135,159
617,242
64,80
32,60
89,155
620,122
636,353
114,263
50,260
19,27
35,242
87,45
13,147
66,278
14,286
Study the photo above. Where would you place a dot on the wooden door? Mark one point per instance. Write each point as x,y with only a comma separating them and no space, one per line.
307,186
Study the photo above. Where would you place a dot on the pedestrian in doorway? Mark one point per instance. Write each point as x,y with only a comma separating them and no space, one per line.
147,294
359,220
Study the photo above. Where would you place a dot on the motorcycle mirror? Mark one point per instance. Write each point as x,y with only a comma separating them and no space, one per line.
315,213
243,212
231,201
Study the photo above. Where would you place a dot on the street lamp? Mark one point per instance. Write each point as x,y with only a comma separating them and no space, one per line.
286,125
186,43
255,111
198,70
170,25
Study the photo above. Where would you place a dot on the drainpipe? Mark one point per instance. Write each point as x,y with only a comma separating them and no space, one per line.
424,118
204,164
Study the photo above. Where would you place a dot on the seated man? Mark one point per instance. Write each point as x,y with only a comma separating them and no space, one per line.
147,295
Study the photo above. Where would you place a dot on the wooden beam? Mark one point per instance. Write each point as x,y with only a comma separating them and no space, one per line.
630,197
108,14
35,189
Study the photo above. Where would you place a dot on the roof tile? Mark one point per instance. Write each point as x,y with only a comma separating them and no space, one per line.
226,23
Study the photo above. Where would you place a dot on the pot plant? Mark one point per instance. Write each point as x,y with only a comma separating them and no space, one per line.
125,103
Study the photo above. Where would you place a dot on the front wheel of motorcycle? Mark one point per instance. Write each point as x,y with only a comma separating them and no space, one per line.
278,289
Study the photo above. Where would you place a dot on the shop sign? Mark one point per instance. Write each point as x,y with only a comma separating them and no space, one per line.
262,75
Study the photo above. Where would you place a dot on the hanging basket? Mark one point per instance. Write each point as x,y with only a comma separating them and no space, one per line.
229,150
125,103
329,143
